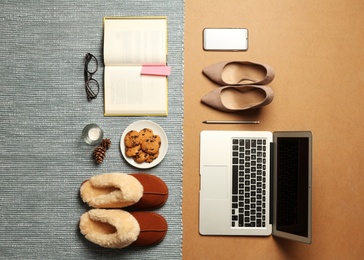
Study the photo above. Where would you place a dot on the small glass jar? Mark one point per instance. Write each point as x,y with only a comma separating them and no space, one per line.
92,134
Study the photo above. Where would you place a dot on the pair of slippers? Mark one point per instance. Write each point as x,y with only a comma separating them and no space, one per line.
120,215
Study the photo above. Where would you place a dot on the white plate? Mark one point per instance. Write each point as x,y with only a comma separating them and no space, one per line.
139,125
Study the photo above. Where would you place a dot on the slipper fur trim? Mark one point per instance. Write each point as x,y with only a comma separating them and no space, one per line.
111,190
123,228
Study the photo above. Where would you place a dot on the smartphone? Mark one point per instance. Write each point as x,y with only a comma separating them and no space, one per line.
225,39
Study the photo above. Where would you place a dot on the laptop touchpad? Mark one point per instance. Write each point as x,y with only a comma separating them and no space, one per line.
214,182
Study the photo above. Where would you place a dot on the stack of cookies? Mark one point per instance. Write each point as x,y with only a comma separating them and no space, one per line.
143,145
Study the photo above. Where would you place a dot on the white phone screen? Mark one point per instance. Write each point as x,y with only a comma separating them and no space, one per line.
225,39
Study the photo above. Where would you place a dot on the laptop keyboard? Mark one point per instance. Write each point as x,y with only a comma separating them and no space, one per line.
249,182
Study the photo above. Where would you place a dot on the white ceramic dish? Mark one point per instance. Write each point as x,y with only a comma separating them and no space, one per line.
139,125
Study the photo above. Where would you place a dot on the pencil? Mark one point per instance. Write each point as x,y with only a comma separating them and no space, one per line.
230,122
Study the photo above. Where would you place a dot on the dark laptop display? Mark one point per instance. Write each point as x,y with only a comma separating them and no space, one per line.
292,184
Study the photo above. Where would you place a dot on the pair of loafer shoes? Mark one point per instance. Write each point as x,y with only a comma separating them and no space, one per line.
243,85
120,215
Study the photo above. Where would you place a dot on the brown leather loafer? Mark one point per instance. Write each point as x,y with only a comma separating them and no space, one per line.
239,73
120,190
238,98
116,228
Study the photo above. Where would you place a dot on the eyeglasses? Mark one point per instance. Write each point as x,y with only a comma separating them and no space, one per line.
91,85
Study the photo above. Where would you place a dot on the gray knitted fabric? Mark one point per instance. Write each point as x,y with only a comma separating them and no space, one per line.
43,109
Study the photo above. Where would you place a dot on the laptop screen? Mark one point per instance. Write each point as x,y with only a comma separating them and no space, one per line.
292,190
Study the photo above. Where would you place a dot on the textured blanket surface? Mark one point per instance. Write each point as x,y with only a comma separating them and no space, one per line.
43,109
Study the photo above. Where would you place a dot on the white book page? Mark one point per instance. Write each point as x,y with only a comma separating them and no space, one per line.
128,92
135,41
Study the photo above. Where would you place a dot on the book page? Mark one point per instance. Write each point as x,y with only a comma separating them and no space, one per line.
137,41
129,93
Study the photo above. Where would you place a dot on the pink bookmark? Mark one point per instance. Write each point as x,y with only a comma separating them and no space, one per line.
156,70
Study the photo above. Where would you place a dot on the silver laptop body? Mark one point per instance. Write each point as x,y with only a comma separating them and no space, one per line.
249,207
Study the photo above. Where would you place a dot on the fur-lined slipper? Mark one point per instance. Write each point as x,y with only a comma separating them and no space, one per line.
119,190
114,228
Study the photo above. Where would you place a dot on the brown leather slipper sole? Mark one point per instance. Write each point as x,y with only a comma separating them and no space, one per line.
153,228
155,192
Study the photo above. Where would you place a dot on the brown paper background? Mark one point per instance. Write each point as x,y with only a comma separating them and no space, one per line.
316,50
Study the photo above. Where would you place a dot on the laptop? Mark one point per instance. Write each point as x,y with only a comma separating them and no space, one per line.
256,183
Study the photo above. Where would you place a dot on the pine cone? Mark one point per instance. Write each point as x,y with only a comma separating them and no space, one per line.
99,154
106,143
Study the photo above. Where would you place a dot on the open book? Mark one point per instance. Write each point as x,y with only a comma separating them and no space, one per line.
130,45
